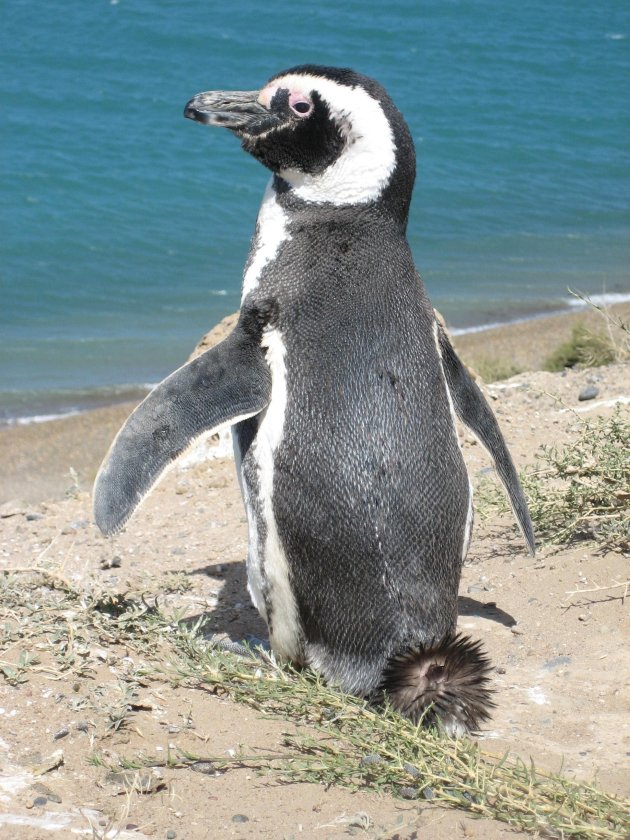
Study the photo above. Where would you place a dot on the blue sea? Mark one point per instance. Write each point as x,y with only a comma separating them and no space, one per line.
124,227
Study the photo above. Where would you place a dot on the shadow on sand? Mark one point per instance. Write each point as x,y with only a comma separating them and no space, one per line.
236,617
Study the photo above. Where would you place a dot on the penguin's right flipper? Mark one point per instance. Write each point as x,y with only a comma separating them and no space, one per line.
473,410
226,384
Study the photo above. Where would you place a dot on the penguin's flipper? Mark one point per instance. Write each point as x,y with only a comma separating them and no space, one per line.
473,410
226,384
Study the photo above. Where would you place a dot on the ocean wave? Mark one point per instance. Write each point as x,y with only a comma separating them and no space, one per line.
491,325
28,407
483,327
605,299
41,418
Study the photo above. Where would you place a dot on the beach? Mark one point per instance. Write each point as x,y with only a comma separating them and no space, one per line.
559,655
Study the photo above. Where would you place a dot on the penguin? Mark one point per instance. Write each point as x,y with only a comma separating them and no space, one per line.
342,391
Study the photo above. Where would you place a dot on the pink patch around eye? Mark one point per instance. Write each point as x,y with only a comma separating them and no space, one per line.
300,104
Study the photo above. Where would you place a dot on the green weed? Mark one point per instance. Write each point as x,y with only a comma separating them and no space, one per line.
578,491
584,348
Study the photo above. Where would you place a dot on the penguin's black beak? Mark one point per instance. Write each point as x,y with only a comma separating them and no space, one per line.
238,110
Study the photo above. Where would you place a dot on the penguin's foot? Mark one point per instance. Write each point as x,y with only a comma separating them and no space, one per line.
443,684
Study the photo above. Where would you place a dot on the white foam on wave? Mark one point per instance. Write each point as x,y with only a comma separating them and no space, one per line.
116,395
483,327
605,299
491,325
40,418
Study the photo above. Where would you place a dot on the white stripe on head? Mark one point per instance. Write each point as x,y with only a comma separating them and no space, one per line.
365,166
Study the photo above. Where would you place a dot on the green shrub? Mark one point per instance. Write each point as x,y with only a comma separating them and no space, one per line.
578,491
584,348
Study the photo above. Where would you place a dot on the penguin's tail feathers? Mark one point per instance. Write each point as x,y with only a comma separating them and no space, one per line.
444,684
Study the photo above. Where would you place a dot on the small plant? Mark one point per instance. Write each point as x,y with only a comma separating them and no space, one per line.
175,582
589,348
15,674
579,491
617,329
74,488
584,348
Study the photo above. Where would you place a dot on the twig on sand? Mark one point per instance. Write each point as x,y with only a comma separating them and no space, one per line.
625,584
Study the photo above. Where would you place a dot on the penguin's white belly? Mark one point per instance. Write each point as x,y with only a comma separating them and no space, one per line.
268,572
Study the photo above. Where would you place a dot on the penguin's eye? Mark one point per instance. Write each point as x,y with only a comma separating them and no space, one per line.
301,108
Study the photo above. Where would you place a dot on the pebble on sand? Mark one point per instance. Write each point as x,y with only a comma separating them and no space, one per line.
588,393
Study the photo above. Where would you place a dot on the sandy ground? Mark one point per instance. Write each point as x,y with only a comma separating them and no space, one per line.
561,658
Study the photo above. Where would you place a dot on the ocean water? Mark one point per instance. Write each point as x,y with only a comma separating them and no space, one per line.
124,227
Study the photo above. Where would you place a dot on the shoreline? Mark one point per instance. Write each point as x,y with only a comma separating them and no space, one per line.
526,343
463,337
51,459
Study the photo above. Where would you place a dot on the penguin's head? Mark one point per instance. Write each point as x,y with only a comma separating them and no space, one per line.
330,135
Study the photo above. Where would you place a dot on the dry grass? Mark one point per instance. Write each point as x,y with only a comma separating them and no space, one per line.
579,491
358,746
592,348
617,330
584,348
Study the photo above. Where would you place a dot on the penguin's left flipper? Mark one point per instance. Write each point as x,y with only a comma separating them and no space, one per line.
473,410
226,384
